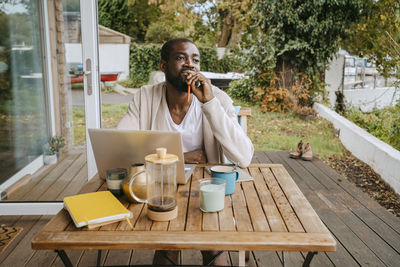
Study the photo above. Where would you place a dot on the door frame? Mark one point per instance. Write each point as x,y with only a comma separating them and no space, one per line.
90,52
89,30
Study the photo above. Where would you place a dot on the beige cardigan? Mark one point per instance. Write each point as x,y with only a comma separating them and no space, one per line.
221,132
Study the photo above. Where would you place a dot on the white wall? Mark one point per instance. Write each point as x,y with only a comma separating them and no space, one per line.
334,77
384,159
112,57
369,99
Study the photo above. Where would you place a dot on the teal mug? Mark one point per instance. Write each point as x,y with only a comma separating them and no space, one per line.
229,174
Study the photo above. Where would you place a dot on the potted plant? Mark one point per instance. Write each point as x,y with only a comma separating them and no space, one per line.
56,143
52,149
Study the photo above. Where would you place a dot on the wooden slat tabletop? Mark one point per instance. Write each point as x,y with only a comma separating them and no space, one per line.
268,213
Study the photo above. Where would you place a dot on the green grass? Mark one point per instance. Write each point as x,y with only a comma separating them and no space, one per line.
268,131
282,131
111,115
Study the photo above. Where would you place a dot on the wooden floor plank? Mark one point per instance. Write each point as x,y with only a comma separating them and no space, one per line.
191,257
379,234
267,258
118,257
73,255
34,189
89,258
379,247
63,180
20,247
353,244
260,157
80,179
372,205
142,257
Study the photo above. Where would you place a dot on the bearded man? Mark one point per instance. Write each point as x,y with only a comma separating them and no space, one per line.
205,118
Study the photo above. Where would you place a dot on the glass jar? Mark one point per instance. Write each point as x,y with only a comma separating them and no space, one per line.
161,185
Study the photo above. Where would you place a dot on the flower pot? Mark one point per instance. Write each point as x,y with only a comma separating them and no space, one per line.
50,159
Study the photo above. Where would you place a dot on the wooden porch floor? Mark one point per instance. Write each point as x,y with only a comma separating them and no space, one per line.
366,233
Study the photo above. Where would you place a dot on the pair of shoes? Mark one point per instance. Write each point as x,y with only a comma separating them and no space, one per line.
299,151
300,154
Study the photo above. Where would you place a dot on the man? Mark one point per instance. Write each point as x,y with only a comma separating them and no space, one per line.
206,118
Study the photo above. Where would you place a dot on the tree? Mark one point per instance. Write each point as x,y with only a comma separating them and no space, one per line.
181,19
372,36
129,17
292,37
233,18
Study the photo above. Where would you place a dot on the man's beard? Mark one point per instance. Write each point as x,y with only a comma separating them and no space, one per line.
177,82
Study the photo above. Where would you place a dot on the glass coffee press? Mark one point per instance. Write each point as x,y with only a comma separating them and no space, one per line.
161,185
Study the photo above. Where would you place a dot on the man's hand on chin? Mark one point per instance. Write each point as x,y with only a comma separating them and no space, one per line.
195,157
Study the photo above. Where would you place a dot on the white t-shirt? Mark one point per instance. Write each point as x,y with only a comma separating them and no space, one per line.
190,127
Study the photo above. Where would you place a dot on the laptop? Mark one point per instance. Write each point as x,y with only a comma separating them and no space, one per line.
114,148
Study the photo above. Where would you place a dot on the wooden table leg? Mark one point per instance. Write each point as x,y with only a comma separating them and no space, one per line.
242,258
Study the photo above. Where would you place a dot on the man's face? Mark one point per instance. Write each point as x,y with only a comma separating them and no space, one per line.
184,56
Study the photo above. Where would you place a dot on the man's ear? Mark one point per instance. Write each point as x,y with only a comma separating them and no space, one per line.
163,65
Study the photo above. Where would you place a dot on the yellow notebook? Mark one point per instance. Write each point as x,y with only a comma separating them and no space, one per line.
95,209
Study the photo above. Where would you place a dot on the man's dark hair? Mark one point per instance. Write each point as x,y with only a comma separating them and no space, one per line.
166,48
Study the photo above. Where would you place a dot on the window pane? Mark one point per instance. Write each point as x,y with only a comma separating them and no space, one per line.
23,119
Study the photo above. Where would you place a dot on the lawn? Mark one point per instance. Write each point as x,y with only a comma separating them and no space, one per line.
111,115
282,131
268,131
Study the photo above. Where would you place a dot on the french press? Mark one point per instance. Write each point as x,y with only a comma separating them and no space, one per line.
161,185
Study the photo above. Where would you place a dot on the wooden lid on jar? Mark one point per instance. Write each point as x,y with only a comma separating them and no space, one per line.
161,157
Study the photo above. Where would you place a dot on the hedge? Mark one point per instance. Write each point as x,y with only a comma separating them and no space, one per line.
145,59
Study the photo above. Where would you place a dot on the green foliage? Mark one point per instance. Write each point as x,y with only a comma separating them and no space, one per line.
145,59
161,31
208,59
54,145
242,89
295,36
383,124
370,37
129,17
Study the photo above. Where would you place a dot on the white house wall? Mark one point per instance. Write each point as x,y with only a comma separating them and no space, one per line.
369,99
114,58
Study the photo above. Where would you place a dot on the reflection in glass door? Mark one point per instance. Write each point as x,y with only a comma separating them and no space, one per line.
36,103
23,116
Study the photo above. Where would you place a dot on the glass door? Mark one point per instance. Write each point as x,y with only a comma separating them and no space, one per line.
46,85
24,124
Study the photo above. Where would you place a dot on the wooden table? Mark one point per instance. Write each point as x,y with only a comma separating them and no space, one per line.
268,213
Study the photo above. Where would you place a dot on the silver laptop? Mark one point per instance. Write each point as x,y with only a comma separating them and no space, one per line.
114,148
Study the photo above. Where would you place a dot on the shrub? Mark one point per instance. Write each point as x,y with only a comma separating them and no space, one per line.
242,89
383,124
144,59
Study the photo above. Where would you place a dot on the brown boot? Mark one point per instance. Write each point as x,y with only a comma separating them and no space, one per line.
307,154
299,151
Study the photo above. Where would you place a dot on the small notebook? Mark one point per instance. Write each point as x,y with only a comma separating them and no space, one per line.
95,209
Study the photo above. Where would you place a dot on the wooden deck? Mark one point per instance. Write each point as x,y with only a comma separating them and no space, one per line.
366,233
